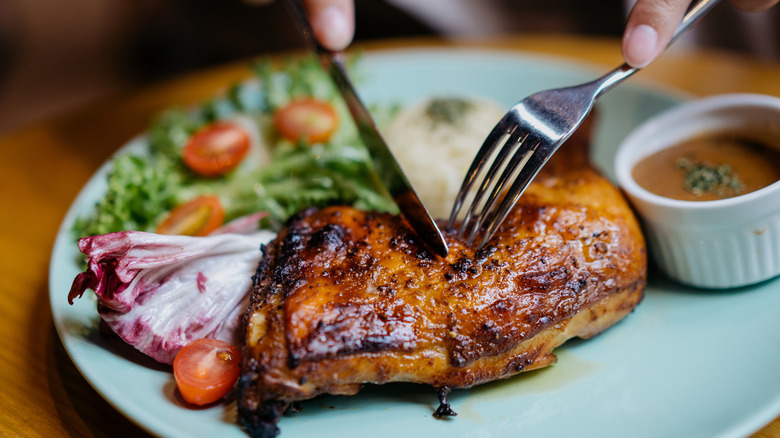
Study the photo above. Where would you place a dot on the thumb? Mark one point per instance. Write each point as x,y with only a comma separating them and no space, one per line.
333,22
649,29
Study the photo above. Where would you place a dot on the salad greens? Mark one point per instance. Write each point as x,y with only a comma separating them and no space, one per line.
143,188
140,191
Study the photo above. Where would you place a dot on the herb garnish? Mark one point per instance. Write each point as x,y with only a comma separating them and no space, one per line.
447,110
701,178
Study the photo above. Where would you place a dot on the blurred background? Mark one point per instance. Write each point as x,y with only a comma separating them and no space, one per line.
56,55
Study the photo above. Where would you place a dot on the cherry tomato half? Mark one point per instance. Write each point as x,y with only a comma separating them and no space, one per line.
197,217
216,149
205,370
310,120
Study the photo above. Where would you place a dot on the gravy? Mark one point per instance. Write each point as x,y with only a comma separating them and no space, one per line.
710,167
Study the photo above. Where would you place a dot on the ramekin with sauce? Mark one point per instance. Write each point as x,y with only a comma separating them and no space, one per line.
704,178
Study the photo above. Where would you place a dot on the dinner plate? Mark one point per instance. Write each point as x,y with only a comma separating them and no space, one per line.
686,362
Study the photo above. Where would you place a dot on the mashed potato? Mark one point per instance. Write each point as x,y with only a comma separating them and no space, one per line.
435,142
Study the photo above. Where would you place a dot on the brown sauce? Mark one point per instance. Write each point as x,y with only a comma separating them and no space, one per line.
710,167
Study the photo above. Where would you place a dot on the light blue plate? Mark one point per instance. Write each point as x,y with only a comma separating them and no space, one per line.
686,363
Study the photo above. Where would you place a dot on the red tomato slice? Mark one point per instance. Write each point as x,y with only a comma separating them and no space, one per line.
310,120
216,149
198,217
205,370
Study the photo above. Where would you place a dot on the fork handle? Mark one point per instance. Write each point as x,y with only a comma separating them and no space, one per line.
616,76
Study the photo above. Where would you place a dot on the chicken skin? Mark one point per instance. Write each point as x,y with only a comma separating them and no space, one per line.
345,297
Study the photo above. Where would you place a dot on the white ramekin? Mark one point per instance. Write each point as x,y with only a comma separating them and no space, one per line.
711,244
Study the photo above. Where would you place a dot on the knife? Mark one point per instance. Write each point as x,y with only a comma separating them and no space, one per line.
386,166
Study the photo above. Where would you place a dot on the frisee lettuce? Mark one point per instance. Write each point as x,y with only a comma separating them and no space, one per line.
142,189
139,191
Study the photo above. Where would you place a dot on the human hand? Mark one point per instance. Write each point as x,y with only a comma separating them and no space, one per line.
652,23
333,22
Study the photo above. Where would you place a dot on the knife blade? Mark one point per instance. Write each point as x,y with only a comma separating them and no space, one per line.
386,166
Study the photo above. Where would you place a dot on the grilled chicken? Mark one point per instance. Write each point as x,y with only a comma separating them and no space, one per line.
344,297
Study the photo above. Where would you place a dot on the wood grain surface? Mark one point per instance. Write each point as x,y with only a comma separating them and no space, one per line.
43,167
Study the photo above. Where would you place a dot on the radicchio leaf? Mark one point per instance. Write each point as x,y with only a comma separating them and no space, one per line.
160,292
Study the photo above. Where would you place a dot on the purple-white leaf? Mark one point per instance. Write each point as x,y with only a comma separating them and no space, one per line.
159,292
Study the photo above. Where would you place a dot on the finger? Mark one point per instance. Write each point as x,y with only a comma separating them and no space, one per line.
755,5
649,29
333,22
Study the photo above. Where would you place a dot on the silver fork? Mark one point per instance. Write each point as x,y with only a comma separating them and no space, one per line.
531,132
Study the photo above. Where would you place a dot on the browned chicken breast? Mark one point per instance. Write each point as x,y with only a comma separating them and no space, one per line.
344,297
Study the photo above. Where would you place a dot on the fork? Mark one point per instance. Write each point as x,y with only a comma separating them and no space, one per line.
531,132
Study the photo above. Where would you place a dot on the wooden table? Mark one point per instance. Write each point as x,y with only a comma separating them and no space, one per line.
43,167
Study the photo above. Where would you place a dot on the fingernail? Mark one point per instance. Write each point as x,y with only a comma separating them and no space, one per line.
641,45
333,28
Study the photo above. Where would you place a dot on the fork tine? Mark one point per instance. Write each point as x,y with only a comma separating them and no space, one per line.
524,153
530,168
471,222
503,128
